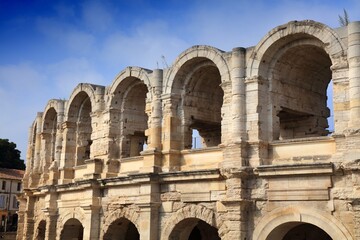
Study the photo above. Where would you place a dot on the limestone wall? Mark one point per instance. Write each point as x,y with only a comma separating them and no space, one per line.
118,161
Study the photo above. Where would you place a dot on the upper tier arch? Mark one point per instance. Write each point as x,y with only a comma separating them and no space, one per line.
135,72
288,33
94,92
199,51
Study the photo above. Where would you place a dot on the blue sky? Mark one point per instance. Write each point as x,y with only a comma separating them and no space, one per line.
48,47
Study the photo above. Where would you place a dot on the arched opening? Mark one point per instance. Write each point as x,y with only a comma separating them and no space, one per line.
122,229
73,229
299,74
298,231
41,230
198,83
49,134
129,117
194,229
49,137
79,118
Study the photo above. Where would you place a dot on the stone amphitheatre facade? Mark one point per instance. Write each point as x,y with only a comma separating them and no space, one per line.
118,162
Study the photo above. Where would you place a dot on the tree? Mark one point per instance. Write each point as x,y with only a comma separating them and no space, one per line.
10,156
344,20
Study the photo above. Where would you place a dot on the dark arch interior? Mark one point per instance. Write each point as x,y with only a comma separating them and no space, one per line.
50,128
73,229
122,229
129,117
306,231
80,115
198,83
299,80
41,230
194,229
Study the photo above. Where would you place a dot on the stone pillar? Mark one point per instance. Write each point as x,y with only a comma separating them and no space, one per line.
149,203
92,223
21,217
51,224
67,160
340,100
59,137
149,218
152,156
354,72
238,94
29,218
236,203
171,133
156,113
233,152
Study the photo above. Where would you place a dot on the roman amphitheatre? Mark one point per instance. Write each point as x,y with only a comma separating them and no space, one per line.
119,161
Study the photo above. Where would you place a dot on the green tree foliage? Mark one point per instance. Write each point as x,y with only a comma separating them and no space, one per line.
344,20
10,156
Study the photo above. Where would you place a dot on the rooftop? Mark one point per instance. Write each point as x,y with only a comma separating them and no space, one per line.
14,174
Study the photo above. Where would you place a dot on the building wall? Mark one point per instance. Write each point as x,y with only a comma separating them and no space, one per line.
118,161
9,189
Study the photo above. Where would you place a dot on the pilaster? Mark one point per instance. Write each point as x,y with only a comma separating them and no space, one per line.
354,72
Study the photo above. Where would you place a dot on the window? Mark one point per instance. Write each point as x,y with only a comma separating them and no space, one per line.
19,187
15,203
2,201
3,185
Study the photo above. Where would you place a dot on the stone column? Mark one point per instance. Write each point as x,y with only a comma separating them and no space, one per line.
51,225
67,160
236,204
234,151
156,113
29,218
238,94
21,217
149,218
149,203
59,137
152,156
354,72
171,133
91,223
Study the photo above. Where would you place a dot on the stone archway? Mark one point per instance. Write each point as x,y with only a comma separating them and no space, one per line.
73,229
122,229
295,64
122,216
41,230
187,218
280,222
194,229
305,231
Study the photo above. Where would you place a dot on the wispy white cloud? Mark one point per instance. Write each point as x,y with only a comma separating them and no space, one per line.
67,36
68,73
21,94
144,47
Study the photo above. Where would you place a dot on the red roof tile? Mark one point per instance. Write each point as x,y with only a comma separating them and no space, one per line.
11,174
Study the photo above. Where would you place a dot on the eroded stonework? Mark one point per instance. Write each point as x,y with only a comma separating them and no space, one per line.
120,162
